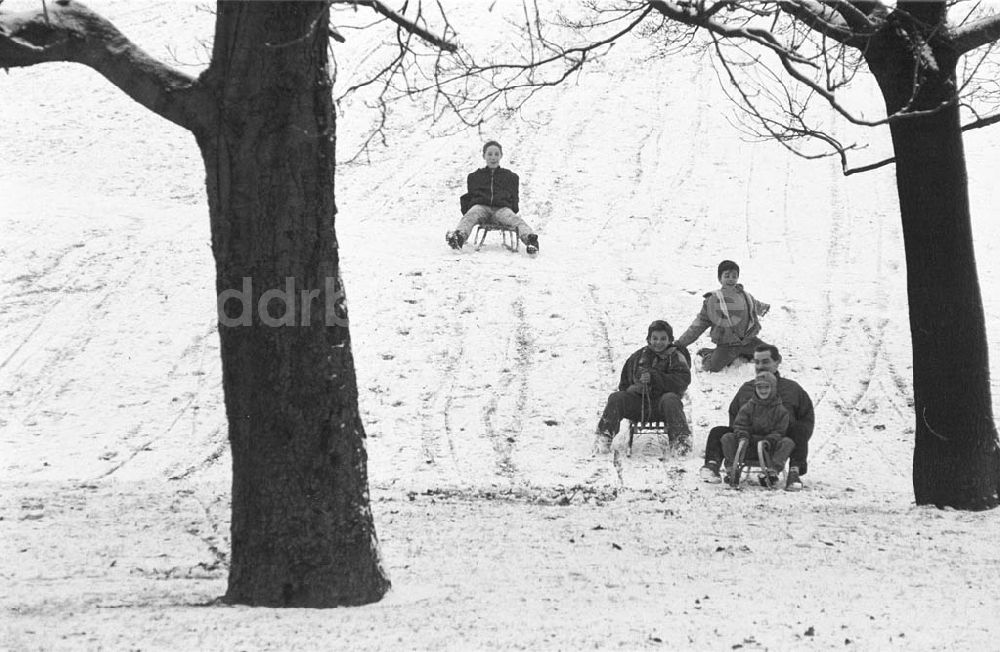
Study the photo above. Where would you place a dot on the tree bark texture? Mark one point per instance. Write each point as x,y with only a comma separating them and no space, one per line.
956,460
302,530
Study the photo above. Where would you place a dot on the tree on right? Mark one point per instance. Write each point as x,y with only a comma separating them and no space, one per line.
933,62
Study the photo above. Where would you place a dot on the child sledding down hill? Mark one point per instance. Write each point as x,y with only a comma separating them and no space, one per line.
734,317
762,422
492,195
652,383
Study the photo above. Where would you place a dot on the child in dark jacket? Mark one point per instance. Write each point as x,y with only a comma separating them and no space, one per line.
762,422
652,382
734,317
492,195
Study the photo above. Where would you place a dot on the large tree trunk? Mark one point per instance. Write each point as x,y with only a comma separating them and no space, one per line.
302,531
956,461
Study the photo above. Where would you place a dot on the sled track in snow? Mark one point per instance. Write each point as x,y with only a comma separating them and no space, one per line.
215,443
439,401
834,254
32,280
49,371
221,444
847,339
845,401
505,441
786,232
132,454
685,172
601,335
216,540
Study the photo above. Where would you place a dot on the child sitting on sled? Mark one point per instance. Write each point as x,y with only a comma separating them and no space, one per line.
652,383
761,423
492,196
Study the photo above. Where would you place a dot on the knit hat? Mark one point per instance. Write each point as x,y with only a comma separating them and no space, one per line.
725,266
770,379
660,325
491,143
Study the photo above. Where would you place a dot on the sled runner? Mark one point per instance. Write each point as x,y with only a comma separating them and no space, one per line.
749,458
483,228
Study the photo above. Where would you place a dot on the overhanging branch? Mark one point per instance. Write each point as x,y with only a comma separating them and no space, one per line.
789,60
690,15
976,34
818,18
855,19
405,23
982,122
69,31
977,124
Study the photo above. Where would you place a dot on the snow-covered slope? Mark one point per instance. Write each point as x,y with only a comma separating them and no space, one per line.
480,373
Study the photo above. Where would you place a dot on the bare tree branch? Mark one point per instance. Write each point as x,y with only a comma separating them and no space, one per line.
690,15
410,26
976,34
820,44
856,19
982,122
455,81
789,127
867,168
788,60
69,31
813,15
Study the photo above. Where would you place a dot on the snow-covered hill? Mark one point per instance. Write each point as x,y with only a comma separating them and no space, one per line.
481,377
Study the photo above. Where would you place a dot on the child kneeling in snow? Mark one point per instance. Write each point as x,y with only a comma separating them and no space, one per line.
734,316
762,422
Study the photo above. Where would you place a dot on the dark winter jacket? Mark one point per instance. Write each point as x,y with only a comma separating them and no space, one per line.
669,372
497,187
733,317
761,418
795,400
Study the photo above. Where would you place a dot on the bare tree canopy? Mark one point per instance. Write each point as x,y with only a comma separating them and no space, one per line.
780,62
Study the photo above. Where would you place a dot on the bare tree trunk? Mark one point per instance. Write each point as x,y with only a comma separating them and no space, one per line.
262,114
302,530
956,461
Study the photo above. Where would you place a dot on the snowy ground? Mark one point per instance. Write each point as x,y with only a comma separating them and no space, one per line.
481,379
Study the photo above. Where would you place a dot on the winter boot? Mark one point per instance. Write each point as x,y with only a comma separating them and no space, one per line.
681,446
531,243
793,482
710,473
704,355
455,239
769,479
602,442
